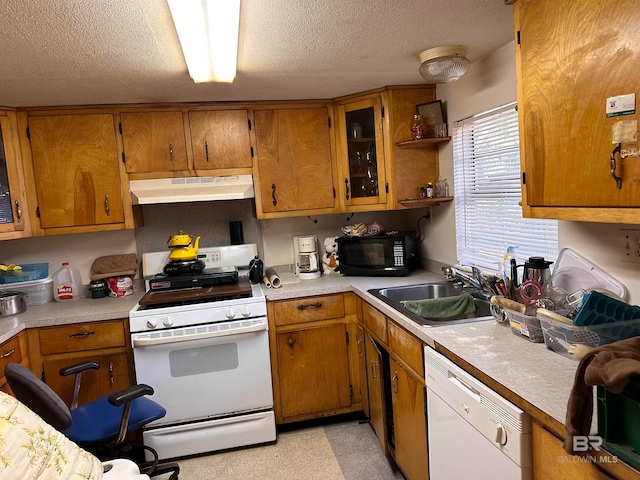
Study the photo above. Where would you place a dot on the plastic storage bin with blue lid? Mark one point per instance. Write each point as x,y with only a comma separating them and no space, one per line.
28,273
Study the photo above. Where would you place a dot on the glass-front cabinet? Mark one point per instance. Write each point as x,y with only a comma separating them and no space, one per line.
362,174
11,202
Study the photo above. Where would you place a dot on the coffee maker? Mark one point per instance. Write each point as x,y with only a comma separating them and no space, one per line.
305,251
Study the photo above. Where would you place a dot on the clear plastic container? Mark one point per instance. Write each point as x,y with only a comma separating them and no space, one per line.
67,283
38,292
525,326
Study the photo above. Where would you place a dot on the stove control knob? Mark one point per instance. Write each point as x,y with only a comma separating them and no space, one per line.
168,322
230,313
245,310
152,323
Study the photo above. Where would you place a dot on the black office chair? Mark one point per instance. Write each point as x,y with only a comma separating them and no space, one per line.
103,422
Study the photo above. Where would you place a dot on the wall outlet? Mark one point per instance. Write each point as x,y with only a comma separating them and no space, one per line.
630,245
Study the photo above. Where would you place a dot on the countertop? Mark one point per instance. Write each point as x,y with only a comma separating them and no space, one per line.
539,379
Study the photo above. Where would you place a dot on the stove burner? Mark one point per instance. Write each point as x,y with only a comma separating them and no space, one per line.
179,268
208,277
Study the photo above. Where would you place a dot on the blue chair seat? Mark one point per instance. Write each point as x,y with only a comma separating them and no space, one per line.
85,428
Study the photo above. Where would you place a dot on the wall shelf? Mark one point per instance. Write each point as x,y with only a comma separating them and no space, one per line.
424,202
422,143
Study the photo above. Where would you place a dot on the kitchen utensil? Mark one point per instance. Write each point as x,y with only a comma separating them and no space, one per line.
529,292
508,304
182,248
576,351
12,303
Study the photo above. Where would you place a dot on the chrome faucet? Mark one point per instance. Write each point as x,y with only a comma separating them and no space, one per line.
477,281
453,273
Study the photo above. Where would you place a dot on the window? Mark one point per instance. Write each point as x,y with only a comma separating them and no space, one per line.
486,156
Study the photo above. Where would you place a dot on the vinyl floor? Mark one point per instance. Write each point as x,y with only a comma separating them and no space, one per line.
343,449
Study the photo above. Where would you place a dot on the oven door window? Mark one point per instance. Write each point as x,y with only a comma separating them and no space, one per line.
199,360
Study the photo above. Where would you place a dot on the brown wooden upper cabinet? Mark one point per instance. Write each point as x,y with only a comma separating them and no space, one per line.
295,171
220,139
76,170
572,57
13,208
361,165
154,141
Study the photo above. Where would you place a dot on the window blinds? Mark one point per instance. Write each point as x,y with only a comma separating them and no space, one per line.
487,187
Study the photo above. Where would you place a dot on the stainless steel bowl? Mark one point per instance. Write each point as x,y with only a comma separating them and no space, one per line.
12,303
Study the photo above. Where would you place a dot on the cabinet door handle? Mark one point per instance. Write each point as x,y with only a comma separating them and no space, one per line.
373,370
612,166
18,211
8,354
83,334
111,373
106,204
171,152
346,187
291,342
394,384
206,150
273,194
359,343
304,306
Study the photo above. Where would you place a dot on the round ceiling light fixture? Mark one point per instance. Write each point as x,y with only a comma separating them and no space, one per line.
444,64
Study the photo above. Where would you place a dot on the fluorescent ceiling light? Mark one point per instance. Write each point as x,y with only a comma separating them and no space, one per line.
208,32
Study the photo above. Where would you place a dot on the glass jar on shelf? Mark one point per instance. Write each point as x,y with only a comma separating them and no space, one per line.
417,128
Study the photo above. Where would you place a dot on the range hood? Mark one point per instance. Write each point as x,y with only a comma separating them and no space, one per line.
191,189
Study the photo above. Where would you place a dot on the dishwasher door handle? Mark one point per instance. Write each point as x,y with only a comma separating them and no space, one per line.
472,392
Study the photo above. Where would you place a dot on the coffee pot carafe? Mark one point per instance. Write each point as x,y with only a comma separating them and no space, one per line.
536,269
305,250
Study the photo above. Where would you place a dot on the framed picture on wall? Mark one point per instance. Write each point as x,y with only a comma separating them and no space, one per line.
432,115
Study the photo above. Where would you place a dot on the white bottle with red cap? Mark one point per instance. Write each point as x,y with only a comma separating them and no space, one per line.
67,283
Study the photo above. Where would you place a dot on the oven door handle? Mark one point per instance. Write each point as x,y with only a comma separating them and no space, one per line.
145,342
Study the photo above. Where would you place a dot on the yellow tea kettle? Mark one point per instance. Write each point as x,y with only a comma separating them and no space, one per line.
182,248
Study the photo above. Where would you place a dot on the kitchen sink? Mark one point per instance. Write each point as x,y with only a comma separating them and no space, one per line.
394,295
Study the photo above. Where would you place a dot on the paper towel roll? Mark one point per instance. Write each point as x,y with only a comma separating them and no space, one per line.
273,278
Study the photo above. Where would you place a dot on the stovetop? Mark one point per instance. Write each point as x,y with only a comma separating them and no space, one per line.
191,304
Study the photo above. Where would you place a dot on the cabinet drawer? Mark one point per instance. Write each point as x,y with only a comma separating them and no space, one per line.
10,352
375,322
86,336
309,309
407,347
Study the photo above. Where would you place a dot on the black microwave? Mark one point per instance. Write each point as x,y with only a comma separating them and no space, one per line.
377,255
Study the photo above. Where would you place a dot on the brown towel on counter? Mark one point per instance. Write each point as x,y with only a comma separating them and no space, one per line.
611,366
113,266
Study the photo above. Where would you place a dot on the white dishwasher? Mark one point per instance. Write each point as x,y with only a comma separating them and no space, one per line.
473,432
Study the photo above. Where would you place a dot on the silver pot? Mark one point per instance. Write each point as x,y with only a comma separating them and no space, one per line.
12,303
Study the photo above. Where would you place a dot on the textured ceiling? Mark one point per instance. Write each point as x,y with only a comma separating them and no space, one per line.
72,52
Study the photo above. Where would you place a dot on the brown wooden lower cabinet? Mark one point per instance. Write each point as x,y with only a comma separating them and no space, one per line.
313,370
13,350
409,421
377,404
107,343
397,393
314,357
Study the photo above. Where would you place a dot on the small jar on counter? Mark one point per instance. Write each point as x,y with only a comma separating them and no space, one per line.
417,128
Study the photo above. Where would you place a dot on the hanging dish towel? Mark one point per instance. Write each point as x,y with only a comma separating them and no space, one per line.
445,307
